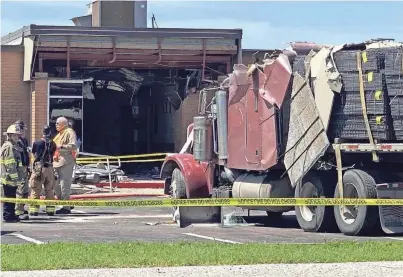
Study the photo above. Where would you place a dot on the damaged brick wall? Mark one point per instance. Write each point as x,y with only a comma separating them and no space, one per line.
15,93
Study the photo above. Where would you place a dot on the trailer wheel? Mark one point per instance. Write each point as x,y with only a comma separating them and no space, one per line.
315,218
357,220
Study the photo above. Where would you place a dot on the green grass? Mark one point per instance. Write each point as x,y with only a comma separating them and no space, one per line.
139,254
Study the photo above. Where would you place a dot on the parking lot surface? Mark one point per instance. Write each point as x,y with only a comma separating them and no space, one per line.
155,224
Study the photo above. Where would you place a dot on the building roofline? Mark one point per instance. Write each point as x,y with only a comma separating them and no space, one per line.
14,35
12,48
34,30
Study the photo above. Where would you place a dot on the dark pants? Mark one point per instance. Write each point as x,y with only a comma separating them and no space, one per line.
9,208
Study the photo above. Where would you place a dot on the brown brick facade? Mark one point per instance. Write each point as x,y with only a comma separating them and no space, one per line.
39,107
15,93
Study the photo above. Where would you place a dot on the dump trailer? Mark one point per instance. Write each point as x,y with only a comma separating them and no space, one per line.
310,121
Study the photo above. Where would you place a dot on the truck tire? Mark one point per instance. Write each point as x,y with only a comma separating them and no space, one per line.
178,191
178,186
319,218
361,219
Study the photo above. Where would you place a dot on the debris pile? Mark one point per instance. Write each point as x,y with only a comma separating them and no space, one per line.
95,173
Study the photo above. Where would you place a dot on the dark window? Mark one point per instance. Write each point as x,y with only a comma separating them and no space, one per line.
65,89
70,108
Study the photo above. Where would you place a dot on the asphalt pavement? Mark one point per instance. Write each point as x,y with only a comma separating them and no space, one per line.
106,224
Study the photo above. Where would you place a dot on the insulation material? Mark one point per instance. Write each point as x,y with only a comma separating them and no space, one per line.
307,140
323,94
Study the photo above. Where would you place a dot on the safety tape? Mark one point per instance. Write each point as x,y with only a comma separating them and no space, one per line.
116,162
122,157
214,202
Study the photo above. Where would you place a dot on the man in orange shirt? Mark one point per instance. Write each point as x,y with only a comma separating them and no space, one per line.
64,161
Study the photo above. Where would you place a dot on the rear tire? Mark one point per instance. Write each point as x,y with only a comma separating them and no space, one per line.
316,218
358,220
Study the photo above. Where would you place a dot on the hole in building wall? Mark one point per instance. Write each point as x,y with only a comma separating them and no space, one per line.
122,111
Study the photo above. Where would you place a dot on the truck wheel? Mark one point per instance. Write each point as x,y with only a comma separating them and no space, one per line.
178,186
357,220
315,218
178,191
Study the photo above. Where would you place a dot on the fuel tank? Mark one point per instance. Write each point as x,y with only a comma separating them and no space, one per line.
250,185
202,138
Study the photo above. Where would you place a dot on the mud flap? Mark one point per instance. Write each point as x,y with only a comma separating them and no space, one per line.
391,216
185,216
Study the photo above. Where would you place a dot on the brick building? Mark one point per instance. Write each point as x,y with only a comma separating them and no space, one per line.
49,71
41,65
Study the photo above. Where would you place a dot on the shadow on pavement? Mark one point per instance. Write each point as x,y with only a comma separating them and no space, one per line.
3,233
285,221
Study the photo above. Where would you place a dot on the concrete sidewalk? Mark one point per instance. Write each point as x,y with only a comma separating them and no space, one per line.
379,269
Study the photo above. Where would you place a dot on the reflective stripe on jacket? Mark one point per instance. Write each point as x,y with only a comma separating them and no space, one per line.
9,162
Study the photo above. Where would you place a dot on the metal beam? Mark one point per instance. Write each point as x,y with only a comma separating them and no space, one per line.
138,65
114,51
134,32
122,51
134,58
68,58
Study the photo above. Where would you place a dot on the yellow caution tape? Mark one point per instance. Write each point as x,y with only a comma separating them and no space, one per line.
378,95
214,202
116,162
122,157
370,77
379,120
364,57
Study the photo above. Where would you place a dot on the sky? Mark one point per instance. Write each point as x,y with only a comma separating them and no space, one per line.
265,24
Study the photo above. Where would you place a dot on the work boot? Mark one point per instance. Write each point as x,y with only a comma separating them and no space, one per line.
63,211
23,217
33,214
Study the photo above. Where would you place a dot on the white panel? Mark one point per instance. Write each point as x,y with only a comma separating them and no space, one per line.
28,55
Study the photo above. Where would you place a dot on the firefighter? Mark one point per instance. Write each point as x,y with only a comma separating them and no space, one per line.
10,174
42,171
64,161
22,190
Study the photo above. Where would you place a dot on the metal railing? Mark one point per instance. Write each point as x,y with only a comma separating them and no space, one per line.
107,165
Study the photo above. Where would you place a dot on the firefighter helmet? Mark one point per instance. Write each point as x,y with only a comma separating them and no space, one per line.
13,129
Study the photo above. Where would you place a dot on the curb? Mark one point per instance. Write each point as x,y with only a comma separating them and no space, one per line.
112,195
134,185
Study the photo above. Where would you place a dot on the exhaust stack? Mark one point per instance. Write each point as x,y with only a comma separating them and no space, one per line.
222,123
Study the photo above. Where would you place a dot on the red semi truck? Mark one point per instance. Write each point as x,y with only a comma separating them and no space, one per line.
265,134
